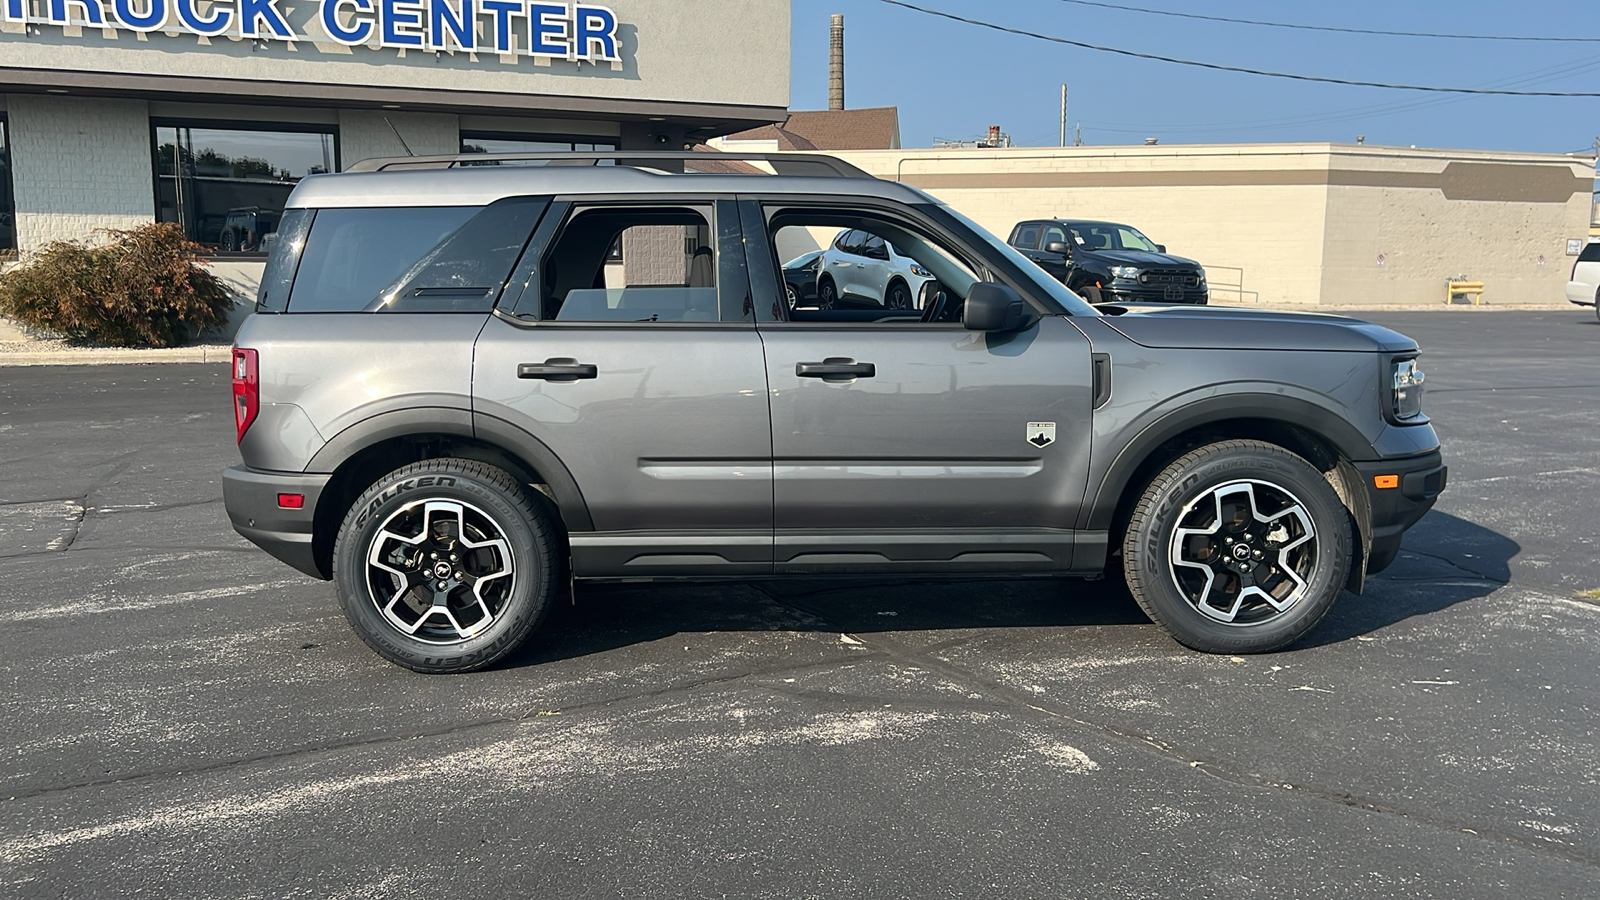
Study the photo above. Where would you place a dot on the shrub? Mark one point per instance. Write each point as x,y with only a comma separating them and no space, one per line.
140,288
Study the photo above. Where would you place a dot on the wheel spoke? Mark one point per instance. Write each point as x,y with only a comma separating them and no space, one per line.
1237,546
458,555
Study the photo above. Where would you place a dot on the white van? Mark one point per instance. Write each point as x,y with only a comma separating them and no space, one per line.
1584,288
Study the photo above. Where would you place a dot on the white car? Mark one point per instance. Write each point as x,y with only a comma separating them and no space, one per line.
860,269
1584,288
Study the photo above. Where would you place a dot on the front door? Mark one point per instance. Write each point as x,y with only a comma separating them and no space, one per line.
632,355
902,441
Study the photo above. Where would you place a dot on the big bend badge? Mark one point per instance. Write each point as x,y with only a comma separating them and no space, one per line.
1041,434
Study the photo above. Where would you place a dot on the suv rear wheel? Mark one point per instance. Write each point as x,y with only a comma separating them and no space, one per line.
446,565
1238,547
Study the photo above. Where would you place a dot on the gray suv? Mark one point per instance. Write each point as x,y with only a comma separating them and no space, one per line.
466,385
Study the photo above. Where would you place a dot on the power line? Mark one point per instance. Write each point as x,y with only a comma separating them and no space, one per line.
1297,27
1537,76
1238,69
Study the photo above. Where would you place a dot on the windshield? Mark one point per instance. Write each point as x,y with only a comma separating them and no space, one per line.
1106,236
1028,268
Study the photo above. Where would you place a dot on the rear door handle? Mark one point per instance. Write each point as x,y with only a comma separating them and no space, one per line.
836,368
559,369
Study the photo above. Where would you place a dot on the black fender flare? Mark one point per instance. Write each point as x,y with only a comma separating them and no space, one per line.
1300,413
453,421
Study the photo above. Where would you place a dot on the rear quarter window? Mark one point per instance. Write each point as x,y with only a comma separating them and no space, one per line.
409,259
352,255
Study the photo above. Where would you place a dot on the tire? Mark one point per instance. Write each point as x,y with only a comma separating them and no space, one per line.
898,296
1597,305
827,293
498,581
230,242
1251,603
1091,294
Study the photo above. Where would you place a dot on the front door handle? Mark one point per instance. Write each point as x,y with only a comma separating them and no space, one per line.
836,368
558,369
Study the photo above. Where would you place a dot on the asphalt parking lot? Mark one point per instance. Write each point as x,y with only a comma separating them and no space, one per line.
186,717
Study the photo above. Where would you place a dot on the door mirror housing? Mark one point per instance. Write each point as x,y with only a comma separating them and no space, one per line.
1161,248
992,306
1061,247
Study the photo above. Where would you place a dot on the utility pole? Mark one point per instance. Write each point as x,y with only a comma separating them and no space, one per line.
1077,140
1063,115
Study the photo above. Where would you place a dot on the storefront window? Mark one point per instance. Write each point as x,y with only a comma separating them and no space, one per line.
227,186
483,142
8,210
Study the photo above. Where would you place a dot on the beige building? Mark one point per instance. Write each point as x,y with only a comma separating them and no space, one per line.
1293,224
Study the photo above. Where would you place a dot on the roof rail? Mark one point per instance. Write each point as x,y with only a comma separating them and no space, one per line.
809,164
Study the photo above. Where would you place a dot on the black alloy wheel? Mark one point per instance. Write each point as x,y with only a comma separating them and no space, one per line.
1238,547
899,296
446,565
827,293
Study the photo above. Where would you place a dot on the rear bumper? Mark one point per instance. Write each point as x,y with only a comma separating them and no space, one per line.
1394,510
1580,293
251,498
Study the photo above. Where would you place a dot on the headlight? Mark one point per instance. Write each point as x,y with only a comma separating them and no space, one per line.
1406,401
920,272
1131,273
1202,274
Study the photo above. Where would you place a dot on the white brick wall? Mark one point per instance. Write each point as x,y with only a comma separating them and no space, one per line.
78,164
363,134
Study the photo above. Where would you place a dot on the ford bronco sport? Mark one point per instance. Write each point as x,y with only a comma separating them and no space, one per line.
465,385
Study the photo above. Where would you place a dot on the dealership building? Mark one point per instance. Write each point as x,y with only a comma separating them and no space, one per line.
115,113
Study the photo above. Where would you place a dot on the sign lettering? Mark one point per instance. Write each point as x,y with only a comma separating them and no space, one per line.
571,31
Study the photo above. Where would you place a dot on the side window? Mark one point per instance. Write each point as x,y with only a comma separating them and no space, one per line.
1591,253
465,272
667,273
1027,237
920,280
1055,234
352,256
848,242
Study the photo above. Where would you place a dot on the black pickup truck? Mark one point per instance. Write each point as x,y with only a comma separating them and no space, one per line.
1105,262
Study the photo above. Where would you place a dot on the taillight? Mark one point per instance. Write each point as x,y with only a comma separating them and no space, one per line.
246,390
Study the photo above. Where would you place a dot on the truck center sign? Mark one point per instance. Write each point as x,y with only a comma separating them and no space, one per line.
570,31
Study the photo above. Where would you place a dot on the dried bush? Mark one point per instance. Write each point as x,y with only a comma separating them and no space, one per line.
140,288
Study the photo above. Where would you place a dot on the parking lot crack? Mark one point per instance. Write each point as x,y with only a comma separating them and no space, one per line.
537,711
1173,754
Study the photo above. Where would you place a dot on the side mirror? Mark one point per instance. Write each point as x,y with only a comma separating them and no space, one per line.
1161,248
1061,247
995,307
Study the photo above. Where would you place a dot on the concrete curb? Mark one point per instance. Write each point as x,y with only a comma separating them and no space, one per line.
112,356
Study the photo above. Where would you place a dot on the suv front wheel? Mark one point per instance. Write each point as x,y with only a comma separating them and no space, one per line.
1238,547
446,565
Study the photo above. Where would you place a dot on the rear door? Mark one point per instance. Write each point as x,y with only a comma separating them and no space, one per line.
645,376
908,445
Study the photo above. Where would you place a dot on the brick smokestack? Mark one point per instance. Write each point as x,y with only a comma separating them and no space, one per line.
836,63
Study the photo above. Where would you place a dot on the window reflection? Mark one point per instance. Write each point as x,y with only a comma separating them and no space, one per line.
227,186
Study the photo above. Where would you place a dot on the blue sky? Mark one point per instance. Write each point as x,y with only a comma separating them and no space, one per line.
952,80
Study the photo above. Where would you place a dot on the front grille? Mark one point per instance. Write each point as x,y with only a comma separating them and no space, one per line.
1169,277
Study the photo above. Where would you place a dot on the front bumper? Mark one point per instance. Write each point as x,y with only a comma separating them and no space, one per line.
1117,292
251,498
1421,479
